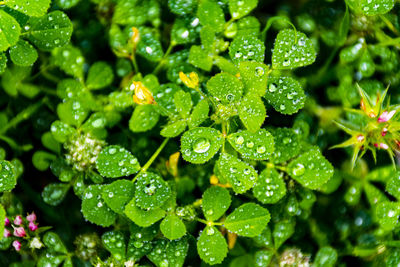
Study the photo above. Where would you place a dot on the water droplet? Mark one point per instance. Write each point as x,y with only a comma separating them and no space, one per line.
210,231
272,87
201,145
250,144
259,71
239,140
298,170
261,149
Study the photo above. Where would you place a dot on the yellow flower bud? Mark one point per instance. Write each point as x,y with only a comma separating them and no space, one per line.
135,36
231,240
191,80
214,180
142,94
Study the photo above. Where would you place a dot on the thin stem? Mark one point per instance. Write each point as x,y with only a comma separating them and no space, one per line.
224,134
23,115
153,157
390,25
209,223
162,61
134,63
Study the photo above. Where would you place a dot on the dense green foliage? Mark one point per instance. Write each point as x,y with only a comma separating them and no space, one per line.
199,132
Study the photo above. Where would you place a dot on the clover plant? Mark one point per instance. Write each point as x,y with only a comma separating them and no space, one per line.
199,132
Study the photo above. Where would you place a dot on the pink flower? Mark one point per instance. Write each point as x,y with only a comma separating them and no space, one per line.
6,222
19,231
381,145
385,116
31,217
360,138
32,226
384,131
6,233
18,220
17,245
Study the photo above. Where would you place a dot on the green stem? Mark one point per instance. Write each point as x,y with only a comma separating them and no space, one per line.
153,157
209,223
134,63
389,25
23,115
162,61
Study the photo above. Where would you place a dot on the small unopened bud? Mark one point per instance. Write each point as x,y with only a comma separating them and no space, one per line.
384,131
214,180
360,138
142,94
31,217
135,36
6,233
191,80
19,232
386,116
32,226
381,145
6,222
18,220
17,245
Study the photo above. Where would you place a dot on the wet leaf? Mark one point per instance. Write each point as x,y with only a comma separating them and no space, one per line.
118,194
115,161
216,201
9,31
114,242
270,187
252,112
256,146
23,53
172,227
8,179
246,48
151,191
212,246
142,217
225,87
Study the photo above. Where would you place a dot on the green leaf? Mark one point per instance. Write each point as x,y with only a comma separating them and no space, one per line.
311,169
143,218
66,4
252,112
225,87
9,31
200,58
199,114
49,31
144,118
240,175
42,159
169,253
172,227
70,60
254,77
174,129
211,14
248,26
182,7
287,145
149,46
72,112
326,256
382,174
51,143
333,184
53,194
263,257
100,75
376,7
264,240
216,201
353,194
116,161
8,179
282,231
23,54
3,62
183,103
207,38
374,195
50,259
256,146
164,97
114,242
32,8
128,12
151,191
54,243
246,48
285,94
249,219
184,31
200,144
61,131
94,209
118,194
393,185
211,246
240,8
270,187
388,214
292,50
